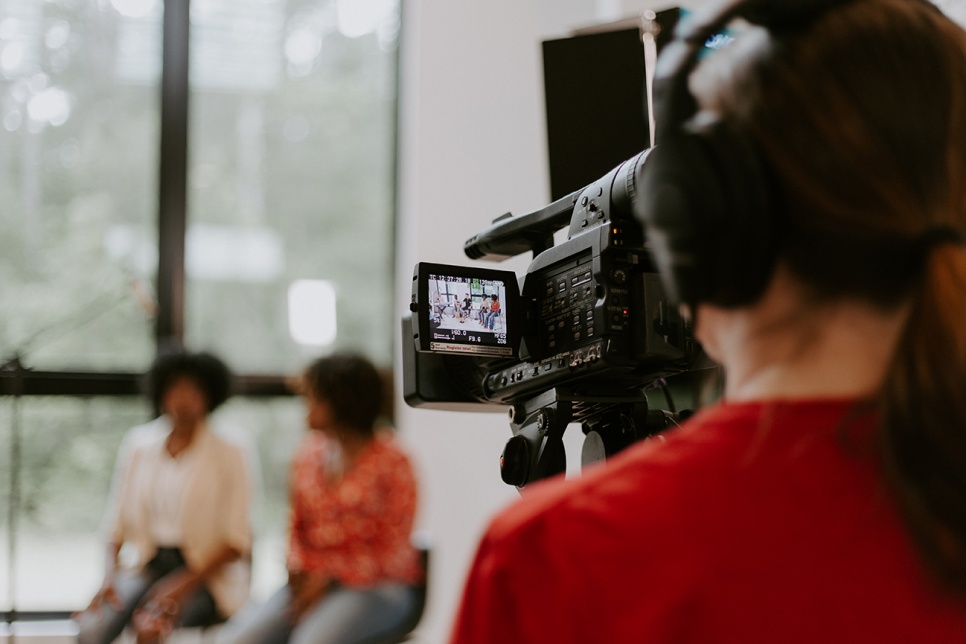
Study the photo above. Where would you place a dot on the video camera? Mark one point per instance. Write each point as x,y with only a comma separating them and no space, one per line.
577,339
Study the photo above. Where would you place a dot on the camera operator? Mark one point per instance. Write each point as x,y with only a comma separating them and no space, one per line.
823,499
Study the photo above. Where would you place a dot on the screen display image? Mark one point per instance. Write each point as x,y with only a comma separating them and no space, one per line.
468,315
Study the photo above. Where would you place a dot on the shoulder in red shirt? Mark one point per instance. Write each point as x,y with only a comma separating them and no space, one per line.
752,523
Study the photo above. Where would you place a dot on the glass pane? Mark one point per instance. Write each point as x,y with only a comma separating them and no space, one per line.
64,465
78,166
291,179
67,450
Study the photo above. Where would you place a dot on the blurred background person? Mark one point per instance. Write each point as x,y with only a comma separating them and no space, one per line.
352,571
181,498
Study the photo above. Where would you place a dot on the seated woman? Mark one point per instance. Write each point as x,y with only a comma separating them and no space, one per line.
493,313
181,497
352,571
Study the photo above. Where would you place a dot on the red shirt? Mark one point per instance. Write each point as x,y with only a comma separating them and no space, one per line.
758,522
355,529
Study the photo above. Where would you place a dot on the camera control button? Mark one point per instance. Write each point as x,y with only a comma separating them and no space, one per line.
515,461
619,275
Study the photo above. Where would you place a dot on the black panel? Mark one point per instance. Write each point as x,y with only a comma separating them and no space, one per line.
595,94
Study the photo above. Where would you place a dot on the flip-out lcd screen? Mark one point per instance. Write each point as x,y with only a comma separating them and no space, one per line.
466,310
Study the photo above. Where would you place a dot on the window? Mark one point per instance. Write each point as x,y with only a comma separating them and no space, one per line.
287,180
290,174
78,168
63,470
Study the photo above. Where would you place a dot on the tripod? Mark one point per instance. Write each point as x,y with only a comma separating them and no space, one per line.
610,423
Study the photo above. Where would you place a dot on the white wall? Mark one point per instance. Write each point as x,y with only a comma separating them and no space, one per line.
472,147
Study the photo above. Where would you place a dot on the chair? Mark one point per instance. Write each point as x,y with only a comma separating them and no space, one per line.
405,632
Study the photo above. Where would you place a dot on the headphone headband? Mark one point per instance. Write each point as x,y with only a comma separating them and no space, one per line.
709,203
681,55
711,207
774,15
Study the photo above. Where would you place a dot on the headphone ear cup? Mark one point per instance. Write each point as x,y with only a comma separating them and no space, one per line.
673,201
707,207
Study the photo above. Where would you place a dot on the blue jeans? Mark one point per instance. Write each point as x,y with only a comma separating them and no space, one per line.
342,616
105,624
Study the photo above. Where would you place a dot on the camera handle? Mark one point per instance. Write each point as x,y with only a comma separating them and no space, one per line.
509,236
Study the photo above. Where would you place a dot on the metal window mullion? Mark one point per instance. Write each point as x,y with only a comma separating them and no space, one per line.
172,181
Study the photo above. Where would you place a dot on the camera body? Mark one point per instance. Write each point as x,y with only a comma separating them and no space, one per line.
589,316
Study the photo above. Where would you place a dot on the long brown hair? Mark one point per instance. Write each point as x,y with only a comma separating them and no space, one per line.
862,117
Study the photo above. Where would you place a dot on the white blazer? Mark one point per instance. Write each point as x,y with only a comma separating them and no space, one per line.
216,512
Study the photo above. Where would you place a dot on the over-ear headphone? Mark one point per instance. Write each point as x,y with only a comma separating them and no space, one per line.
709,205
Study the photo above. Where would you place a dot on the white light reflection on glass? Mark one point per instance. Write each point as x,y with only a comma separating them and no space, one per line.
56,37
302,46
360,17
134,8
11,56
51,106
12,120
311,312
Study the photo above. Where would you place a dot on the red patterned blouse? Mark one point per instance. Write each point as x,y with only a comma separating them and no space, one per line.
354,529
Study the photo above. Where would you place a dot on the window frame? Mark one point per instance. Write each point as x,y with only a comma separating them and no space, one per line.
18,380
